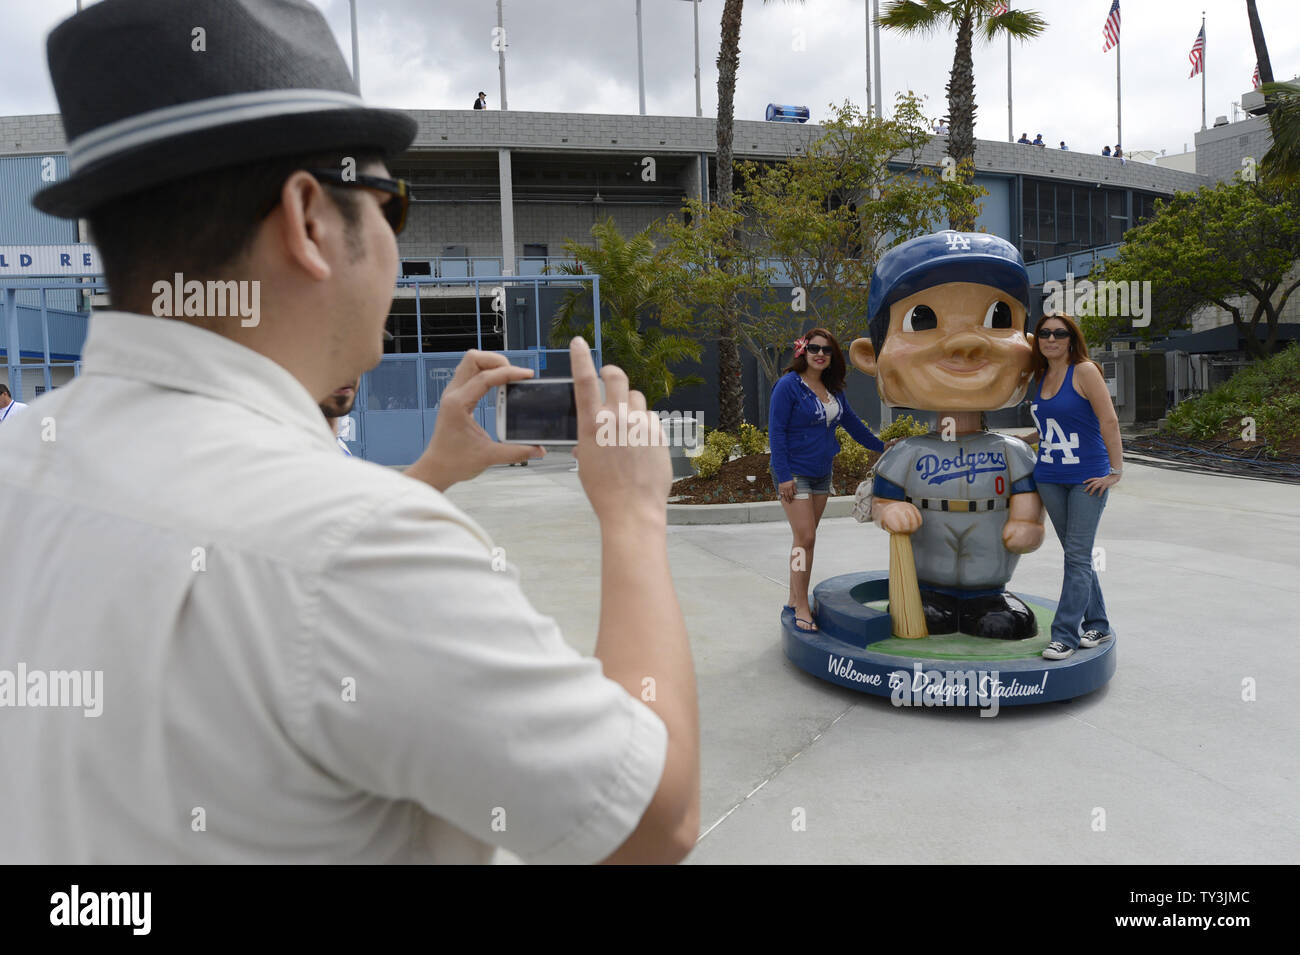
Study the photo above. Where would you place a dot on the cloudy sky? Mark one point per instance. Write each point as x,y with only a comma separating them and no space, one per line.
580,56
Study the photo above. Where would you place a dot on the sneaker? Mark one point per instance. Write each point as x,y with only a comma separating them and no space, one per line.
1057,651
1093,637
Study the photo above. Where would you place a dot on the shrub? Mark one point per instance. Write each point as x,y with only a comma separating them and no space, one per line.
903,427
752,440
708,462
724,444
1268,391
852,455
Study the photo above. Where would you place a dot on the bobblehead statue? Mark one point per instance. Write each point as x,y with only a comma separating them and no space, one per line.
947,334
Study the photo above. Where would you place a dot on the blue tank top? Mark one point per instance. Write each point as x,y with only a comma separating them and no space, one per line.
1070,446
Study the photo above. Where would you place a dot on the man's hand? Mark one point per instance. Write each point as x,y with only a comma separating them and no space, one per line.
621,482
460,448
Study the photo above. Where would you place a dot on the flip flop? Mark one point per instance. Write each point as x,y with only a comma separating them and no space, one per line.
789,607
811,628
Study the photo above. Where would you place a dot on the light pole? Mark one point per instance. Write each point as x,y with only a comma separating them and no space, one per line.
875,15
640,60
695,8
356,62
501,53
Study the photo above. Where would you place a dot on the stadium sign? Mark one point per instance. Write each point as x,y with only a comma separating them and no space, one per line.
23,260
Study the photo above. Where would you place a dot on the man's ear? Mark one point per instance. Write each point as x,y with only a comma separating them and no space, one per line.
862,355
301,216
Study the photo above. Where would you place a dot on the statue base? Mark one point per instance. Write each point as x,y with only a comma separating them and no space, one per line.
855,647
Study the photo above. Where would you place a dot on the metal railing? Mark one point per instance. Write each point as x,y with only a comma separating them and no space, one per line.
1078,264
478,266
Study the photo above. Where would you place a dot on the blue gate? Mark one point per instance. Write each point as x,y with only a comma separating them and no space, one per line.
397,403
43,326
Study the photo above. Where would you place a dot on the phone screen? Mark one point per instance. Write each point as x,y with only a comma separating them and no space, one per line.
541,411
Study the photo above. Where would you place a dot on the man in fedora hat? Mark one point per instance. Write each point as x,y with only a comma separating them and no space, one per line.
295,657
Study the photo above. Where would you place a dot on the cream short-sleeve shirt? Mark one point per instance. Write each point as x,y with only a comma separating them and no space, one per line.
304,658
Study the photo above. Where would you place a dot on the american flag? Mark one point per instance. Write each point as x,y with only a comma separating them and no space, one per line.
1254,77
1197,56
1111,29
1000,9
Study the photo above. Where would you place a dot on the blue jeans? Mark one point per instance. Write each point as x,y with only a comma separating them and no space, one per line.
1075,514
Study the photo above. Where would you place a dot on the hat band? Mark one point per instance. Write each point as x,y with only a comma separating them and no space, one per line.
172,121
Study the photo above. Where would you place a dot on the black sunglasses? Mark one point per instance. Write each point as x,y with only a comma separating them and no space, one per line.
1057,333
818,349
394,211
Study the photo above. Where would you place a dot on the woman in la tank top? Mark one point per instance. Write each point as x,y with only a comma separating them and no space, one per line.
1080,458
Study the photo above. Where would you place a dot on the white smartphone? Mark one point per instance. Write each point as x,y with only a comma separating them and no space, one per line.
537,411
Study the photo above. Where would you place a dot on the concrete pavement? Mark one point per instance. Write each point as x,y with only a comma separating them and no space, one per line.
1167,764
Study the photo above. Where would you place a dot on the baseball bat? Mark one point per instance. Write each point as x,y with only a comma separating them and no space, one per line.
905,608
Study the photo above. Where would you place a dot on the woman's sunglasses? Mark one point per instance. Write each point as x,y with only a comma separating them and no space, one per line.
394,209
1057,333
818,349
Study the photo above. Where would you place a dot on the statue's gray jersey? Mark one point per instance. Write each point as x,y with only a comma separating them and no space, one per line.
953,549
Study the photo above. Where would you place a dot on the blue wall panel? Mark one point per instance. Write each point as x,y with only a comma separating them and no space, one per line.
20,222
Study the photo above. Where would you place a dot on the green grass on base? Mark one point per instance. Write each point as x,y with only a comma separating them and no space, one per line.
961,646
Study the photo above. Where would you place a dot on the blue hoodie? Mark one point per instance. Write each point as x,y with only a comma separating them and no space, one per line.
801,440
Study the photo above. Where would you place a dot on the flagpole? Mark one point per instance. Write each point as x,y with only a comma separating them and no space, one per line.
1203,52
1119,99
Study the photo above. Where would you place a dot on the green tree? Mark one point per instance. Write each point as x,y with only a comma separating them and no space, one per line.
731,396
641,326
1232,245
710,265
826,216
967,17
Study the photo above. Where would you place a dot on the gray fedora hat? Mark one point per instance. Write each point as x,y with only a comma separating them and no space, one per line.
146,98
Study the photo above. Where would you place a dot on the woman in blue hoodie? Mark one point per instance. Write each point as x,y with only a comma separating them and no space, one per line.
808,403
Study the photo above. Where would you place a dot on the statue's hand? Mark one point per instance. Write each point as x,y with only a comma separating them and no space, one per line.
1021,537
898,517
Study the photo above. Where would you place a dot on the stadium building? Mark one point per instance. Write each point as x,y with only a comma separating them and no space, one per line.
495,197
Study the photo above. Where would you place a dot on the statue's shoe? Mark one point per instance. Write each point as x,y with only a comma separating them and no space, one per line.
942,612
1001,616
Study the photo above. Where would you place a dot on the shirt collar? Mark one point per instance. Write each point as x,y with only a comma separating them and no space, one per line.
174,354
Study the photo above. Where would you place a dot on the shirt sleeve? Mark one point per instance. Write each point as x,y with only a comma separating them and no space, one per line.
856,429
465,699
778,420
893,467
1021,461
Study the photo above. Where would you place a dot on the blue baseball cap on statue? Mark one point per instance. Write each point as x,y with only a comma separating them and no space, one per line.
944,257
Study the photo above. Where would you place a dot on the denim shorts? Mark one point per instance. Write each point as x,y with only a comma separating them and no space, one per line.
805,486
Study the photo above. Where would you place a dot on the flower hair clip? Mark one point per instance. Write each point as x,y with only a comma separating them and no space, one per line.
799,345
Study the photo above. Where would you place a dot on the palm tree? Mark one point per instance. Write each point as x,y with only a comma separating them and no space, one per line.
1261,48
731,395
1281,163
966,16
632,285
